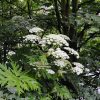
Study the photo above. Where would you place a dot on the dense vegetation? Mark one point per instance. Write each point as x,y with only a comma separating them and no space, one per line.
49,49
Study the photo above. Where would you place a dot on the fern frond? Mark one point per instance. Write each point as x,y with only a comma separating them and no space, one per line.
62,92
15,78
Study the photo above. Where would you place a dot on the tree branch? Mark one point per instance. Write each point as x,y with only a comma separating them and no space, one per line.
81,34
84,3
91,36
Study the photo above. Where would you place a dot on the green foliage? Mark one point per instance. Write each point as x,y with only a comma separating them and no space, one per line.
83,27
16,79
62,92
89,93
45,97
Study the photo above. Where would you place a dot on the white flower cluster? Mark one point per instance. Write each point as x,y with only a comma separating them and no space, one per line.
42,12
78,69
98,14
72,51
57,41
87,70
32,38
98,90
54,39
35,30
61,63
47,8
50,71
65,37
58,53
10,53
17,18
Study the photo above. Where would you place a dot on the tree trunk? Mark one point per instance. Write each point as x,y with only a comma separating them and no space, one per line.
58,16
29,6
65,12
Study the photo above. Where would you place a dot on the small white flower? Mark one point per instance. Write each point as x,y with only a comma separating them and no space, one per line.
43,45
50,7
46,12
56,44
98,14
51,50
61,63
49,42
36,30
50,71
43,7
87,70
47,8
10,53
98,90
19,45
17,18
32,38
78,64
65,37
81,84
72,51
58,53
78,69
33,68
55,39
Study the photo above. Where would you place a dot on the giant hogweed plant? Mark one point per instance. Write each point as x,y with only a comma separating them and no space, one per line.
49,62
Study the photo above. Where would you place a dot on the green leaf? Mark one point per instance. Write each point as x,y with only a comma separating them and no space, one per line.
62,92
15,78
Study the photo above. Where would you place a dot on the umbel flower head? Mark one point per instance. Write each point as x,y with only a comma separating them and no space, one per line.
55,39
72,51
10,53
60,63
78,69
60,50
47,8
58,53
98,14
35,30
50,71
98,89
32,38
